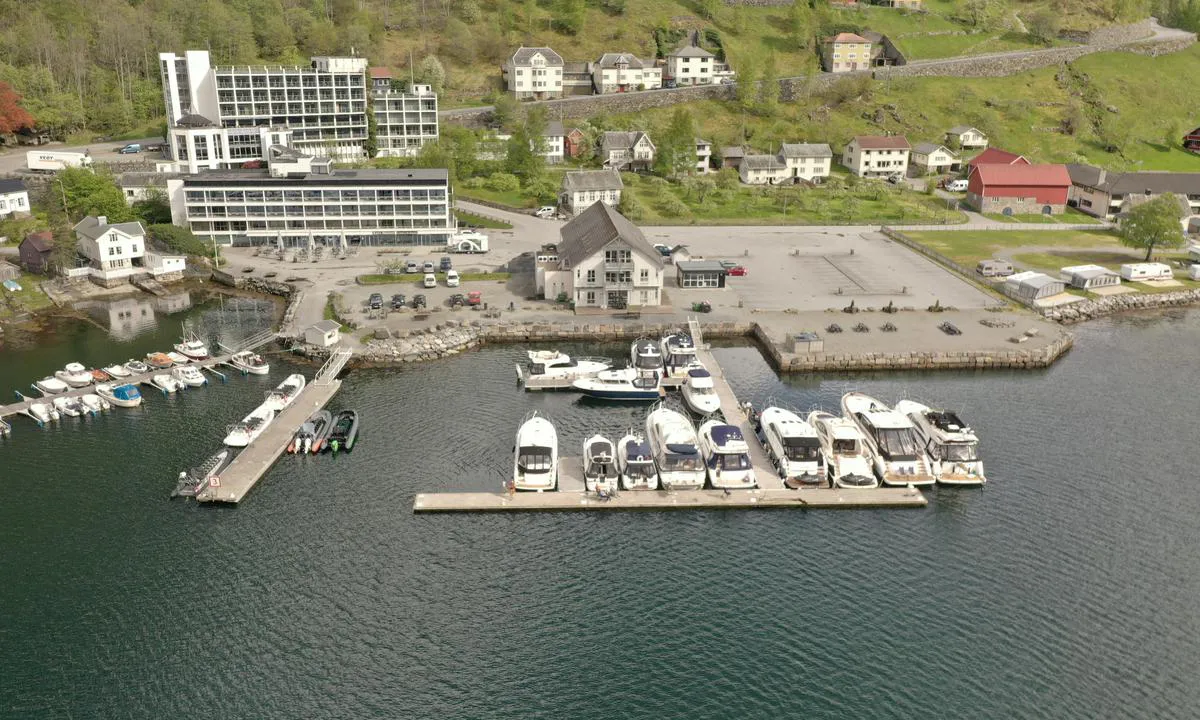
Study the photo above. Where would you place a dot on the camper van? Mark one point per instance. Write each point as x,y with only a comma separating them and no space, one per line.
994,268
1137,272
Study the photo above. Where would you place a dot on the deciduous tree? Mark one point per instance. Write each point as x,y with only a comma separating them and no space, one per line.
13,116
1154,224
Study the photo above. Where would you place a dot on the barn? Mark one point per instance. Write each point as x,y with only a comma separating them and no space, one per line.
1030,286
1089,277
1019,189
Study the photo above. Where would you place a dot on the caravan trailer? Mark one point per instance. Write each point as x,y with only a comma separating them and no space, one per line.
1138,272
994,268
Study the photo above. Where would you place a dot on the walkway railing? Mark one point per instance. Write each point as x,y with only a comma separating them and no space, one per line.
329,371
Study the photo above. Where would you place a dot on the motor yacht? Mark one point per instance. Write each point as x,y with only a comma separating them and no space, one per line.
635,461
675,449
898,458
159,361
792,446
69,406
699,392
250,427
250,362
282,396
646,356
951,445
192,347
343,433
51,386
726,456
846,454
679,353
535,455
125,396
189,375
137,367
555,364
599,465
117,371
94,403
166,383
75,375
622,384
196,480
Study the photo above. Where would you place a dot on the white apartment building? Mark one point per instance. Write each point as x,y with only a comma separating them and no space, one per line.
118,252
625,72
301,201
14,198
807,161
584,188
534,73
691,65
932,159
877,155
404,121
603,261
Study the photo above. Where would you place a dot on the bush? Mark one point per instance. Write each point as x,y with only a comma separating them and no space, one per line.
672,206
543,188
631,208
474,182
503,182
178,240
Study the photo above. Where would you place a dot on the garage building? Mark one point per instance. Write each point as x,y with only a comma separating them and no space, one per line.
700,274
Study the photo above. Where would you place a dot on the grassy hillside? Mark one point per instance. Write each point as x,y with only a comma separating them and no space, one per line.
1024,113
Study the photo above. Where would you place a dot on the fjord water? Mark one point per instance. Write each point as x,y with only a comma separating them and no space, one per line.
1065,589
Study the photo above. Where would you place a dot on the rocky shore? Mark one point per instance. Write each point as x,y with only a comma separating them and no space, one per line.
1091,309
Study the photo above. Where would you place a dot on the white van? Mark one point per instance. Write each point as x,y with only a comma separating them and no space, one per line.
546,211
430,280
451,278
958,185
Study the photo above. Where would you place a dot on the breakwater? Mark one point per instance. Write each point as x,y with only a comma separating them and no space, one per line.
1092,309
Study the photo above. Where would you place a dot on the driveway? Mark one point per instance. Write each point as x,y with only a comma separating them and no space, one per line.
13,160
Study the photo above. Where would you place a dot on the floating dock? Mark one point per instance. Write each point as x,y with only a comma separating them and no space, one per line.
253,462
771,493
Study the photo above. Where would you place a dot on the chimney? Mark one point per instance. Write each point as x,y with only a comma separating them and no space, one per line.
101,219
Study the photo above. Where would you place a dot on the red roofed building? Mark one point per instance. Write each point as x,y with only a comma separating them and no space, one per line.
1019,189
381,78
994,156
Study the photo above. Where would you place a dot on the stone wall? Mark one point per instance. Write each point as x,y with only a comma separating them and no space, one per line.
1112,34
1091,309
760,3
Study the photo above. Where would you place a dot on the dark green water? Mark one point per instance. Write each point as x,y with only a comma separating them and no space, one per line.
1066,589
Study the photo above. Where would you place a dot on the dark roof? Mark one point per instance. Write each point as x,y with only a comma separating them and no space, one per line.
416,176
733,151
90,227
690,51
960,129
42,241
326,325
608,60
926,148
524,54
192,120
593,229
616,139
1116,183
593,180
554,128
762,162
817,150
700,266
11,185
145,179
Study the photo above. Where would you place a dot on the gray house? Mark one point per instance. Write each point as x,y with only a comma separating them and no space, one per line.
584,188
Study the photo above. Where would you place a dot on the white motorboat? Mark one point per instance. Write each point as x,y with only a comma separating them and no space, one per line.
250,362
679,353
898,458
137,367
622,384
41,412
599,465
94,403
75,375
535,455
125,396
189,375
282,396
635,461
166,383
69,406
178,358
951,445
192,347
845,450
555,364
726,456
250,427
117,371
674,445
699,392
793,447
51,386
646,356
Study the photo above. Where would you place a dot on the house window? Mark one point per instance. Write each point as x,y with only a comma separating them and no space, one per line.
645,275
591,298
112,249
591,276
618,256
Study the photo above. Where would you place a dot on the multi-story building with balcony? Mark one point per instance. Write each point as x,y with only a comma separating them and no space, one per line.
534,73
404,121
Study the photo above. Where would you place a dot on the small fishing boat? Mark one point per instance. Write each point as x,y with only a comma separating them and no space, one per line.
69,406
288,390
535,455
51,386
623,384
635,461
250,362
726,456
117,371
40,412
125,396
75,375
312,434
189,375
166,383
100,376
94,403
177,358
192,347
137,367
700,393
250,427
196,480
673,440
159,360
600,472
344,432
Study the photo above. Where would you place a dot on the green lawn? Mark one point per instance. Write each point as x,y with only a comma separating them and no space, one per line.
514,199
931,47
1069,247
28,299
470,219
1070,217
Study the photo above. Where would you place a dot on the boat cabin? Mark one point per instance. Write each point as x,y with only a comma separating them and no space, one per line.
680,457
893,433
534,459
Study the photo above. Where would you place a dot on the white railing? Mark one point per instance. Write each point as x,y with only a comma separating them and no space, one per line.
329,371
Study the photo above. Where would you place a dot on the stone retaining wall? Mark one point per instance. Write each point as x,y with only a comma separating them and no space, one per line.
1091,309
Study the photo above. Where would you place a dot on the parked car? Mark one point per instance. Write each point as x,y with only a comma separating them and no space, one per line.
428,267
958,185
130,148
895,178
546,211
418,301
736,271
375,301
445,263
411,267
452,279
474,298
664,250
457,300
430,280
156,147
399,301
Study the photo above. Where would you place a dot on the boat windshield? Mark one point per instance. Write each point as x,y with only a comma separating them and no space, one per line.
898,443
729,461
799,449
648,362
844,446
673,462
960,452
640,470
702,390
534,459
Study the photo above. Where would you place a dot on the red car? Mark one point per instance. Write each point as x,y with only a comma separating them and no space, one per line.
736,270
474,297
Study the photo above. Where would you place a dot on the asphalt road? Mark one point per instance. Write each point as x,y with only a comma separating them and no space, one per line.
13,161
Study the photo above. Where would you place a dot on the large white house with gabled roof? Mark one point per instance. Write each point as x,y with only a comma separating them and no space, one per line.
534,73
691,65
118,252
